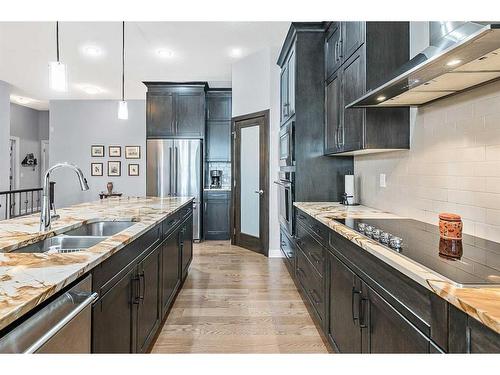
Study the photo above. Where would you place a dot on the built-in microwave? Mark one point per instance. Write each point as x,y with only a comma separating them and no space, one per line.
285,184
287,141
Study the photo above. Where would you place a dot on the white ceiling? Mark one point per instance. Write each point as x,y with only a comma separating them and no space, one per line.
201,52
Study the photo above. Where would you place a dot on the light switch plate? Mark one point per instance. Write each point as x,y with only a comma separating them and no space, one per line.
382,181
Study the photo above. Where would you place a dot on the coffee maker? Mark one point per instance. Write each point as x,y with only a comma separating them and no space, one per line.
215,179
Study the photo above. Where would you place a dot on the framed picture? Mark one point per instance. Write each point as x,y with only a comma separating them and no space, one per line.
132,152
115,151
96,169
133,169
97,151
114,168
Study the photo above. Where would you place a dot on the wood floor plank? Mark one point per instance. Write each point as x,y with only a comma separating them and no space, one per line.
237,301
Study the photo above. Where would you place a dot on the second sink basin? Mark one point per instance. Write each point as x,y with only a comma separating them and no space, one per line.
61,244
100,228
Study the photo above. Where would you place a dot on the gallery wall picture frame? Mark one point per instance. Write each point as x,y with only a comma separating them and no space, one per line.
115,151
132,152
133,169
96,169
97,151
114,168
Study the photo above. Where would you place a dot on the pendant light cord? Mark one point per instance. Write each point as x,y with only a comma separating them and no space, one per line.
123,61
57,39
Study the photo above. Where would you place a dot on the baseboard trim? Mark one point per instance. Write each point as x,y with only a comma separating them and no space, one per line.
275,253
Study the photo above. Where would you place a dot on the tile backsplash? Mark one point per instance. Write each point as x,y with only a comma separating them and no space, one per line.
453,164
225,167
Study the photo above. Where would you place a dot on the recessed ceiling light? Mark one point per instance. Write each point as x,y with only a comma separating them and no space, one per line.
381,98
235,52
453,62
90,89
93,51
165,53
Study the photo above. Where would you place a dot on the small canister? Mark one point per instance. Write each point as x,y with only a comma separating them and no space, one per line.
450,226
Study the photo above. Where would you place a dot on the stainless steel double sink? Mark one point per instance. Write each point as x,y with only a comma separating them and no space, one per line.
77,239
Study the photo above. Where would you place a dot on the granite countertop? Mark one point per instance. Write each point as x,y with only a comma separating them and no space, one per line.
482,304
28,279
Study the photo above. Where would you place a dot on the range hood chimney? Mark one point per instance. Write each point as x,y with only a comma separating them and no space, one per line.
461,55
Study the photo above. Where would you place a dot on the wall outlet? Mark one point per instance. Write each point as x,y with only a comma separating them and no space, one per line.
382,181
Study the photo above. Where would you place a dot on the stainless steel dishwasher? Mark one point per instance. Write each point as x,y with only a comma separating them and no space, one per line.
63,326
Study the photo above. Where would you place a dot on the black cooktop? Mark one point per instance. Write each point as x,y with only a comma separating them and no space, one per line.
479,263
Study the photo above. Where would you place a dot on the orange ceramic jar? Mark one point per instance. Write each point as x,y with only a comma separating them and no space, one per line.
450,226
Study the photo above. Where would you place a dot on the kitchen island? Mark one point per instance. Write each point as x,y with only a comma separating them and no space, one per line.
410,286
27,280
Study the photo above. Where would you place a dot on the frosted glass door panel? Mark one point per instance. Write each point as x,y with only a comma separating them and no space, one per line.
249,167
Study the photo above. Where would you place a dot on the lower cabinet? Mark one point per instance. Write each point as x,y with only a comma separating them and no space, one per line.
137,295
216,214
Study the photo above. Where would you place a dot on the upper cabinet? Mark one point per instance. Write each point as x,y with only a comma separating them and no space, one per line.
359,55
175,110
287,80
218,133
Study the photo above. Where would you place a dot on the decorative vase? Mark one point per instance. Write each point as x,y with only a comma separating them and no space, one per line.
109,186
450,226
450,248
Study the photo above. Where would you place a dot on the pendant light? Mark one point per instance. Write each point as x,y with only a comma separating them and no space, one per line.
122,105
57,70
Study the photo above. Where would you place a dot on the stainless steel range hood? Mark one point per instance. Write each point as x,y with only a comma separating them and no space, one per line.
461,55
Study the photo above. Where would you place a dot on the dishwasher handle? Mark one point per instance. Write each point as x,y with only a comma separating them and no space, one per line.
59,325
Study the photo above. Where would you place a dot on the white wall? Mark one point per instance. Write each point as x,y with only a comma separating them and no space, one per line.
24,124
255,87
75,125
453,164
4,135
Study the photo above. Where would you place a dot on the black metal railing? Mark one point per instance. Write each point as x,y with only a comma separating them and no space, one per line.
15,203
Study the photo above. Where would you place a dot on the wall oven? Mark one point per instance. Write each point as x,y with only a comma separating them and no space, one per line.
285,184
287,156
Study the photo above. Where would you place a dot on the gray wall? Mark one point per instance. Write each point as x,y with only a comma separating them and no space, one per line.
75,125
43,125
4,135
24,123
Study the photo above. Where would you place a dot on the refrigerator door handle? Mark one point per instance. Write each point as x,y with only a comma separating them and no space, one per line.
176,171
170,160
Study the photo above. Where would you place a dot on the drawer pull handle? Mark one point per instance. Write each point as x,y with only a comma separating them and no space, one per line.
355,295
300,271
315,258
314,296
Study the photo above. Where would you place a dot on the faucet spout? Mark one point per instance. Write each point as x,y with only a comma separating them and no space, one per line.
45,215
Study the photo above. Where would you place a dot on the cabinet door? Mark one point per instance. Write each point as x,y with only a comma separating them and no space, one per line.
190,114
481,339
353,86
170,270
160,115
218,107
332,49
385,330
345,293
353,36
148,313
113,316
218,141
284,93
186,241
291,83
216,216
334,114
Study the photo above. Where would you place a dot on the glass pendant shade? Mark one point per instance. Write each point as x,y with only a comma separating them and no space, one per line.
122,110
58,76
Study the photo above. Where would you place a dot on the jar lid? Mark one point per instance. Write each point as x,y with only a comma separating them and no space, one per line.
449,217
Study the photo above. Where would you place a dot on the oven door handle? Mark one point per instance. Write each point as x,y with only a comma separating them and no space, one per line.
284,184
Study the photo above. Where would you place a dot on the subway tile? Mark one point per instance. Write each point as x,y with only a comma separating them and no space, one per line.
493,184
492,121
486,168
487,106
471,183
493,217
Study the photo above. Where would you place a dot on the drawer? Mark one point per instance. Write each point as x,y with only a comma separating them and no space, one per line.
217,195
312,284
288,249
109,272
319,230
311,248
175,219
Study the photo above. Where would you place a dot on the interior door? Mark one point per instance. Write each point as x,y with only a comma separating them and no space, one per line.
251,181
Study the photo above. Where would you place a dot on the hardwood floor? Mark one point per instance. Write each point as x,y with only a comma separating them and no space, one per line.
237,301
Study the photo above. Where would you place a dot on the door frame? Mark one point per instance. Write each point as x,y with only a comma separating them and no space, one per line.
239,239
16,161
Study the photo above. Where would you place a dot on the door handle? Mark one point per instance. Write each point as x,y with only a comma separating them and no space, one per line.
142,286
260,192
355,293
171,164
363,305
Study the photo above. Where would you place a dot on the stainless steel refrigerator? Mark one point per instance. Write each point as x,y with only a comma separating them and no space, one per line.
174,168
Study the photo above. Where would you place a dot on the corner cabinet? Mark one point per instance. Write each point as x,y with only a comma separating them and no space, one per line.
175,110
358,57
216,214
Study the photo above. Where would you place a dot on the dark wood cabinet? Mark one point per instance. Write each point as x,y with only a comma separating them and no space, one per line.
218,141
113,317
369,53
175,110
186,245
216,214
148,311
219,105
287,84
170,271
